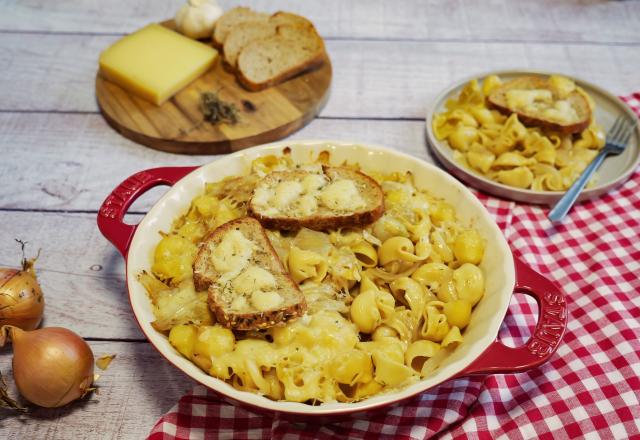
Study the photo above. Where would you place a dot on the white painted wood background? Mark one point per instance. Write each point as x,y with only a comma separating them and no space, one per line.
60,159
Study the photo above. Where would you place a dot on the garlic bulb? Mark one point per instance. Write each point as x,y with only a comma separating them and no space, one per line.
197,18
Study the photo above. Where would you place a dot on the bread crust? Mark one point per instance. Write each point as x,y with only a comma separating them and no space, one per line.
310,64
495,101
323,222
252,320
257,321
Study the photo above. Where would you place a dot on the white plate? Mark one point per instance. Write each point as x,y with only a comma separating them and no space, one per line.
614,171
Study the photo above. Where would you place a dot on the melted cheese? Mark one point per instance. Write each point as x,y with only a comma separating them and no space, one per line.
561,86
239,304
540,101
261,196
286,192
264,301
313,182
303,198
307,205
254,278
561,112
517,98
251,289
231,255
342,195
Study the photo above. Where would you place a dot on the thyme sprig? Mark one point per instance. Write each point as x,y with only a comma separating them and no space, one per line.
216,110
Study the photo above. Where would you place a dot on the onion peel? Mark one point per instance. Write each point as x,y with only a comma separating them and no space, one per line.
6,401
103,361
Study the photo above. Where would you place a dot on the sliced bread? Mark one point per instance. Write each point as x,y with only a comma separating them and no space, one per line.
232,18
334,198
243,34
246,32
292,50
552,103
248,286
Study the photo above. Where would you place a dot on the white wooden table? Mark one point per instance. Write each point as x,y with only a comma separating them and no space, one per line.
60,159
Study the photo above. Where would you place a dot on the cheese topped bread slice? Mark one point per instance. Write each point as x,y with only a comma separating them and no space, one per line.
248,286
554,103
327,198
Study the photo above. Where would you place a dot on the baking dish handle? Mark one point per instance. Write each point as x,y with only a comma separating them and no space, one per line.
550,328
114,207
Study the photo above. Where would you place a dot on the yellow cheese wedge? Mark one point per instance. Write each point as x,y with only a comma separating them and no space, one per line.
155,63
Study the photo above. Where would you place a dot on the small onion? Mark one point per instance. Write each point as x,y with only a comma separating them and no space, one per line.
21,300
51,366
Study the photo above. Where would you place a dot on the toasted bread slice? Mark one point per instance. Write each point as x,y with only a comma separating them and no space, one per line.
232,18
552,103
249,288
246,32
333,198
292,50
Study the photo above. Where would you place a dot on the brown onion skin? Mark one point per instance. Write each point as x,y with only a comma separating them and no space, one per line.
44,362
21,299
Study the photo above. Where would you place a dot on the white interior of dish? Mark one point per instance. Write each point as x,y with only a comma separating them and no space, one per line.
608,108
497,264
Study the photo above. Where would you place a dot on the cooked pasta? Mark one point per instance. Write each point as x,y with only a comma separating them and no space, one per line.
306,265
504,150
385,302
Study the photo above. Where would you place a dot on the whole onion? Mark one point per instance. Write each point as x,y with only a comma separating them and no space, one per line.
21,299
51,366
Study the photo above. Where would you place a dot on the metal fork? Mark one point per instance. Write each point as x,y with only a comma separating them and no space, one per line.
616,141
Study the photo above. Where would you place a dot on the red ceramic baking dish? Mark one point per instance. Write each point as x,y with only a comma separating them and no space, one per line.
480,353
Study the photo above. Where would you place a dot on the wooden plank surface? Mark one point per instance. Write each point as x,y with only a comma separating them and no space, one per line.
372,79
390,60
138,386
58,168
468,20
80,272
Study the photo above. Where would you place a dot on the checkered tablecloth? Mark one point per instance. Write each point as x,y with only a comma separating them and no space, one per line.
589,389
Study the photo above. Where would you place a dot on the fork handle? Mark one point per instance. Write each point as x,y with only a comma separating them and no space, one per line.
562,206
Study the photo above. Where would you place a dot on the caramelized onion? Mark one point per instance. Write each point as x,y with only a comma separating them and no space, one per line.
378,273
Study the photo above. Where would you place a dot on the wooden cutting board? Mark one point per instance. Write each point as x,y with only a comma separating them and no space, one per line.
177,125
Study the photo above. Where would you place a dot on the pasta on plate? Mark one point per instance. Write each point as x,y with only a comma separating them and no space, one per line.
502,149
386,302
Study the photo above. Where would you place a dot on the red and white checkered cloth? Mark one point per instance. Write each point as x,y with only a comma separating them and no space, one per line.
589,388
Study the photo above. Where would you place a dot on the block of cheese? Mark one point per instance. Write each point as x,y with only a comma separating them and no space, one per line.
155,63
